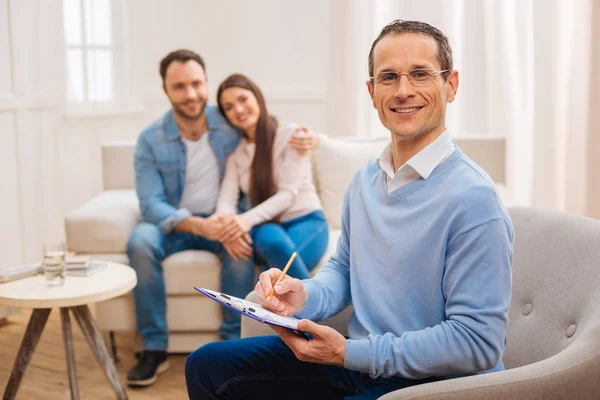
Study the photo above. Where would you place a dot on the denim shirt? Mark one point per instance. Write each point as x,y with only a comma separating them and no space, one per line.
160,165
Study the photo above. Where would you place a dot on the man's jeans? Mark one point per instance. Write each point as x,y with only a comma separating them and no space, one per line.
307,235
265,368
147,248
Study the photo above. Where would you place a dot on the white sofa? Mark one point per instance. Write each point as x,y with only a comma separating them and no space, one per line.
102,226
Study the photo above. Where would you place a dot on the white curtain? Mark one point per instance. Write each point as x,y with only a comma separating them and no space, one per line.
526,69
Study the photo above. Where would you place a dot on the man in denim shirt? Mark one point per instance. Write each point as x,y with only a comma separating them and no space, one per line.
179,163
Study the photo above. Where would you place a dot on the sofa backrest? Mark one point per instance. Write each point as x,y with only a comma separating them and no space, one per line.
117,165
335,161
556,285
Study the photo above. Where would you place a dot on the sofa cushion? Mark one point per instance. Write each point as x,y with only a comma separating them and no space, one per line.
103,224
335,160
182,270
505,195
334,235
193,312
186,269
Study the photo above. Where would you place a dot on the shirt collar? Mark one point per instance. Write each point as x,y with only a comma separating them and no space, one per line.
385,161
425,161
172,130
212,117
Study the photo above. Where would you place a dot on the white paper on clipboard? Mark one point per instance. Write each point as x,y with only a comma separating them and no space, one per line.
251,309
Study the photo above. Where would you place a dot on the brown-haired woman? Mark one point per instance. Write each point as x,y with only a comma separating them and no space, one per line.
285,214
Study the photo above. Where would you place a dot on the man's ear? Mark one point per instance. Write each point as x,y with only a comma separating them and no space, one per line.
452,83
371,91
164,88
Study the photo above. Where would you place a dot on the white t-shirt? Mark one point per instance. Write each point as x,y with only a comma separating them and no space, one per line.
202,177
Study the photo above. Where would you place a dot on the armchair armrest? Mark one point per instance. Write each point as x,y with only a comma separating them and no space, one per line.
570,374
104,224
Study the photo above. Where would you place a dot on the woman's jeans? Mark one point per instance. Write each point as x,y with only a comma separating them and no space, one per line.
265,368
147,248
307,235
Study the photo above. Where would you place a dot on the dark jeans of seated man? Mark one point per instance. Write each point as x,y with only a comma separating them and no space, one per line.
147,248
265,368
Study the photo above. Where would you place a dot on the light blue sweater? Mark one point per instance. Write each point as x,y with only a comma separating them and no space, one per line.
427,269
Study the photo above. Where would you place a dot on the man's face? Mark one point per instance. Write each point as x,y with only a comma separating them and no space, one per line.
185,86
406,110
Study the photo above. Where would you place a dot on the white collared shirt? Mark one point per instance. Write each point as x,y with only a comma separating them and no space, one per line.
420,165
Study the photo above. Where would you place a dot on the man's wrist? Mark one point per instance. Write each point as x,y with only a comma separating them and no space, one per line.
341,352
198,226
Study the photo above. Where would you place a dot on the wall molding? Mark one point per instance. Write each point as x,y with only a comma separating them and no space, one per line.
276,95
34,101
296,94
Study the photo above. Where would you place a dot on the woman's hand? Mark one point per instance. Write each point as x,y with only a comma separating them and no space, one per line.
234,227
239,248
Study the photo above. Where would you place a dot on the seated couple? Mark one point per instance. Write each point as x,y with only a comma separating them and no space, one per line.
191,165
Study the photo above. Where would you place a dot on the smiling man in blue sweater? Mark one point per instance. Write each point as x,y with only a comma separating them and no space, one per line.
424,257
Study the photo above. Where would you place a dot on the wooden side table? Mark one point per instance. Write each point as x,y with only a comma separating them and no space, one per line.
74,295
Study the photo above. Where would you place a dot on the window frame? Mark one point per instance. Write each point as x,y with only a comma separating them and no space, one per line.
121,102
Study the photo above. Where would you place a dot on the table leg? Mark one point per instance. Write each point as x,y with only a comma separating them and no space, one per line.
68,338
37,321
113,346
94,338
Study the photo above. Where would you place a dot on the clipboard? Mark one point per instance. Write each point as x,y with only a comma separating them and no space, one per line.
252,310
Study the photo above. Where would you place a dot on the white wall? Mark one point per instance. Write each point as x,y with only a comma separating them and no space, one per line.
281,45
29,118
50,161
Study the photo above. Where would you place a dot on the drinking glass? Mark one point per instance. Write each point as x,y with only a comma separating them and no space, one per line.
53,263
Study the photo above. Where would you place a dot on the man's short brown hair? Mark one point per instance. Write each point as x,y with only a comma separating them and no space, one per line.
399,26
181,55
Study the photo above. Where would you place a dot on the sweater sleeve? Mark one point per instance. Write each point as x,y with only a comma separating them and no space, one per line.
477,286
329,290
230,187
292,169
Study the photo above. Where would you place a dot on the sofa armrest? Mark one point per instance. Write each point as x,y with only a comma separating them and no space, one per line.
104,224
251,327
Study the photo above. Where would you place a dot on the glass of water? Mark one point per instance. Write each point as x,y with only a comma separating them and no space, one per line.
53,263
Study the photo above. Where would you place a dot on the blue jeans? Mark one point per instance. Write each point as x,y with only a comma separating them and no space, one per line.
147,248
307,235
265,368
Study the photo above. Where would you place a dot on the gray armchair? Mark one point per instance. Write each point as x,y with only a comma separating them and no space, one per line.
553,347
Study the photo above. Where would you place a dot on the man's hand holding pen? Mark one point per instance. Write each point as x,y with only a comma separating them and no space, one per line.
327,346
289,297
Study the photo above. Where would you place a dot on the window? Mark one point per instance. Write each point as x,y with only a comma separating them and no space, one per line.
93,50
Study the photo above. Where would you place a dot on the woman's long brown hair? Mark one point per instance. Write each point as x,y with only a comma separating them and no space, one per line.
262,185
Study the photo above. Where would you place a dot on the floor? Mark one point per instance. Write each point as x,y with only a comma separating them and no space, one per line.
46,377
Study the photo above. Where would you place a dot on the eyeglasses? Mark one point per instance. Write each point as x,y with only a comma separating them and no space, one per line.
415,77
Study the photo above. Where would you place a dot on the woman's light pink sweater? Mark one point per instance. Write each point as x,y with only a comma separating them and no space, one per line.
296,194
